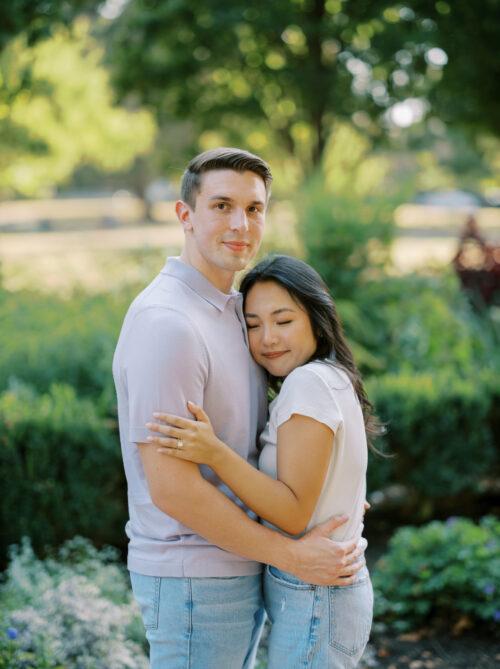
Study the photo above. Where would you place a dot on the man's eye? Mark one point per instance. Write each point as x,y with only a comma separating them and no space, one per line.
222,206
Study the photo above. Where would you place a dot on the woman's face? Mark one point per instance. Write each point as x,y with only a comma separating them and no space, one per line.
279,330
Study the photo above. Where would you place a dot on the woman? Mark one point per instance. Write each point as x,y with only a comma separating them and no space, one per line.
313,459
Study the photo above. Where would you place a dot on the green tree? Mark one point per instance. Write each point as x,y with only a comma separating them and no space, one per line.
36,19
241,68
466,90
291,67
57,112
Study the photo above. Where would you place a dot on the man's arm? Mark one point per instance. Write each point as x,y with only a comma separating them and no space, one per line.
178,489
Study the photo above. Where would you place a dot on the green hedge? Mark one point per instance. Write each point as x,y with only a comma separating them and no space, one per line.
45,339
441,431
418,323
60,470
438,573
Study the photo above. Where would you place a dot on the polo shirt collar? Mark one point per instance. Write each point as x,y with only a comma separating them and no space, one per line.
200,284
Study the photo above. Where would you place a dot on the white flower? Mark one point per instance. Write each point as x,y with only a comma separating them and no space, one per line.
79,616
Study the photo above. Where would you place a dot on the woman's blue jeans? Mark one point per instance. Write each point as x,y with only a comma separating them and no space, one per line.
201,623
317,627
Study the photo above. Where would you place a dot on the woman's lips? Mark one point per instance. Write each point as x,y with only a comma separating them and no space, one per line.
272,356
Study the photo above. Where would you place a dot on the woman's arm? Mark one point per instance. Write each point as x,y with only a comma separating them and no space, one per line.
304,449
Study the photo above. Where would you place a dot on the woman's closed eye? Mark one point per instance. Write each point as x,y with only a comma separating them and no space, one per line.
283,322
252,326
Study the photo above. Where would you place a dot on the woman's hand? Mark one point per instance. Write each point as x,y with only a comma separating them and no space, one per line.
186,439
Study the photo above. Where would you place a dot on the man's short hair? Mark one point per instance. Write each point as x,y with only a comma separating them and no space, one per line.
223,158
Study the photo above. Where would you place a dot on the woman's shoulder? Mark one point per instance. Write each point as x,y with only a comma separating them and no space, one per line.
317,374
326,370
309,390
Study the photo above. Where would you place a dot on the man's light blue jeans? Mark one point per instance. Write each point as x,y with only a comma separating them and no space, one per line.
201,623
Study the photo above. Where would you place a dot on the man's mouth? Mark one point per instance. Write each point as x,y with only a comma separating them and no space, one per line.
236,246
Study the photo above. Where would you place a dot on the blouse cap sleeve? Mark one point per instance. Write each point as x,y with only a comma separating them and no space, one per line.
306,393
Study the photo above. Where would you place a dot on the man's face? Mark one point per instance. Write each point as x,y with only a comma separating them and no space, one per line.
224,231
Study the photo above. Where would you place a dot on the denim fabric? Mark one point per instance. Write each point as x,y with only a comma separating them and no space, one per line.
201,623
316,627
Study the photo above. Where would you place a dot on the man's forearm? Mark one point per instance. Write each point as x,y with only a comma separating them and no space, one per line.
212,515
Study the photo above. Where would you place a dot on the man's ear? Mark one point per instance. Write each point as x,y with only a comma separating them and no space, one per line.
184,211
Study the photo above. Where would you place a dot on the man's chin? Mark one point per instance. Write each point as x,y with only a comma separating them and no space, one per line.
237,263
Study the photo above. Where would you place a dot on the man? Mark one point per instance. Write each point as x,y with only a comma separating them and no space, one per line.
195,551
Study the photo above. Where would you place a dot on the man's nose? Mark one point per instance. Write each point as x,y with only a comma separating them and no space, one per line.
239,220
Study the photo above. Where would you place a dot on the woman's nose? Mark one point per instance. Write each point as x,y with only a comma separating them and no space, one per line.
269,336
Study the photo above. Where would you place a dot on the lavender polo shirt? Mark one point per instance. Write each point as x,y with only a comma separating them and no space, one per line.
182,339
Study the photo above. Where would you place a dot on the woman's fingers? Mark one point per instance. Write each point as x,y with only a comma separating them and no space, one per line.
176,444
167,430
344,580
176,421
198,412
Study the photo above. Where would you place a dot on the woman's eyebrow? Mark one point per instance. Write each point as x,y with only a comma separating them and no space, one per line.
273,313
280,311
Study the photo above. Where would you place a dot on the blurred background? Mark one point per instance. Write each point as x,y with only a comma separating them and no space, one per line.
381,123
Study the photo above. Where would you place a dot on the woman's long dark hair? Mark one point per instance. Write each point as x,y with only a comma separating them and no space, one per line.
308,289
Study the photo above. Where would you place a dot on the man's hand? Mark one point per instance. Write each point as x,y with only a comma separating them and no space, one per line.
319,560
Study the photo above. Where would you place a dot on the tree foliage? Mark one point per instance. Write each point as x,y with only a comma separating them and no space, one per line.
57,112
469,33
37,19
291,67
345,213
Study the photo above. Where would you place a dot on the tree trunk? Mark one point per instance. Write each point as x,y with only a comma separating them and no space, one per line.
321,82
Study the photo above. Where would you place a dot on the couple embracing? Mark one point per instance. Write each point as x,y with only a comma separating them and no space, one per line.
206,458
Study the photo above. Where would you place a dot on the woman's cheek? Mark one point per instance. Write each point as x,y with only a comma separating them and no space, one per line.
252,343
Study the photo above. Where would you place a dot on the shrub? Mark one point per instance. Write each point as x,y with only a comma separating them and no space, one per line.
441,430
72,610
47,339
60,469
346,212
13,656
421,323
438,573
344,237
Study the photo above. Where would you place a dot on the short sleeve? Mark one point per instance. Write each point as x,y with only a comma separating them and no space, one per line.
306,393
166,365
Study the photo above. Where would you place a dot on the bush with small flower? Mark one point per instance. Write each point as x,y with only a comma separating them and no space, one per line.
13,656
73,609
440,573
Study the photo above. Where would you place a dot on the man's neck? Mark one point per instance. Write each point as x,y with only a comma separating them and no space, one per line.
221,279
